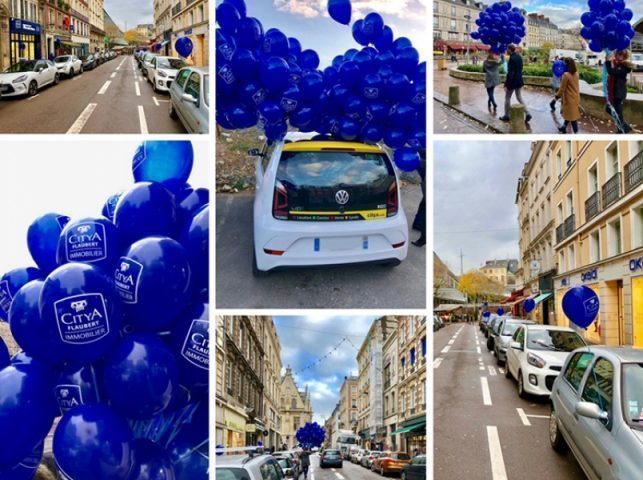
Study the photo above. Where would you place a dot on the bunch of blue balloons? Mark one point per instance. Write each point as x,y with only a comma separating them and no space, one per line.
558,68
311,435
373,94
114,331
606,26
500,25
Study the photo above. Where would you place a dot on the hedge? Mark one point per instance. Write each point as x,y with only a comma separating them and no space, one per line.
590,75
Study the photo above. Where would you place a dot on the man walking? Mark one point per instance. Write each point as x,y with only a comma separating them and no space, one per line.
305,460
514,82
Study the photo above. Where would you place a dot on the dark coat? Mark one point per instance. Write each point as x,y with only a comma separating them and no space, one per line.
514,72
618,73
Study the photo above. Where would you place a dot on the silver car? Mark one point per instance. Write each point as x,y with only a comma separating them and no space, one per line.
502,340
190,99
597,411
250,467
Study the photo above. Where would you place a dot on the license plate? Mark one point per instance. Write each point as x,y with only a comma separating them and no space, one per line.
339,244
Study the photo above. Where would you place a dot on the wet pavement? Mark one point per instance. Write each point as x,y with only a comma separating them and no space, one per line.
448,120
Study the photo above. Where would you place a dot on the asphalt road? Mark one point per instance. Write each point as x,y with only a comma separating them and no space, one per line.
501,438
351,286
112,98
349,471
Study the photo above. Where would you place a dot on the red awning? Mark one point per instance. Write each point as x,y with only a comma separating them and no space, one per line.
483,47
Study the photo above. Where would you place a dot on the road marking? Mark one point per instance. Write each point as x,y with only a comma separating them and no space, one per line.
492,371
523,417
113,75
36,95
437,362
138,89
498,471
120,65
478,349
452,341
339,475
82,120
142,121
482,368
445,349
486,395
104,87
501,371
156,102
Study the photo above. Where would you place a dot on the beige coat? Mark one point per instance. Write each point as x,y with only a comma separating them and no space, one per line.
569,91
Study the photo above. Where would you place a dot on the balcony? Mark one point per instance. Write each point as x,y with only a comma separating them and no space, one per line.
633,173
592,206
612,190
570,225
176,9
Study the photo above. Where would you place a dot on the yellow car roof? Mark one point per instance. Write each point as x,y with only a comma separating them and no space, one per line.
325,145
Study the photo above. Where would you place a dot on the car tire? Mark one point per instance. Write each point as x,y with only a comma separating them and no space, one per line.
56,78
382,471
255,269
521,386
556,439
33,88
173,114
71,72
507,371
499,362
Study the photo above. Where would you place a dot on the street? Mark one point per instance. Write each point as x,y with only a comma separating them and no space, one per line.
112,98
349,471
482,429
350,286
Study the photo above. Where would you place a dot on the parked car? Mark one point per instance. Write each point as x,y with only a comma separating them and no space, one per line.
367,460
537,355
597,411
190,99
27,78
331,457
320,201
290,469
357,456
390,462
437,323
486,321
147,63
288,453
415,469
89,62
68,65
506,329
493,333
637,62
162,72
490,325
248,467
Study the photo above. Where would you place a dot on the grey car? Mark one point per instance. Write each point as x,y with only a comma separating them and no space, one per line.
502,340
597,411
248,467
190,99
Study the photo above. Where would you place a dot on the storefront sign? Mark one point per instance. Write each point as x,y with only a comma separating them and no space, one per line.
23,26
589,275
251,427
234,425
636,264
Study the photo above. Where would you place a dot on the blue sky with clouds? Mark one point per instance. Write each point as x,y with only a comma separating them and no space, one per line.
304,340
127,13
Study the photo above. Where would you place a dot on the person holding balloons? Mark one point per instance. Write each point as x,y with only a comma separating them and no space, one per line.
618,68
569,92
514,82
555,84
491,69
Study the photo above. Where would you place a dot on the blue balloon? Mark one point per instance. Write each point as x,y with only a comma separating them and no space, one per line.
340,11
152,279
106,452
192,201
407,60
227,82
184,46
355,108
145,210
395,137
349,129
26,413
500,311
109,207
365,62
274,74
42,240
10,283
311,86
399,87
140,376
587,18
240,5
372,87
76,385
349,74
81,312
309,60
406,159
5,360
302,116
486,314
626,14
189,452
385,40
228,18
166,162
249,33
152,462
373,26
558,68
417,139
358,33
377,111
401,43
331,76
241,116
418,97
244,64
581,305
372,134
275,43
270,112
191,344
226,45
89,240
26,469
276,131
529,305
252,94
402,115
294,46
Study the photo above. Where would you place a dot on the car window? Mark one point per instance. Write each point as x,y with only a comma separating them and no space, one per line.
206,89
633,393
193,86
554,340
576,368
183,75
419,461
599,385
232,474
519,336
171,63
269,471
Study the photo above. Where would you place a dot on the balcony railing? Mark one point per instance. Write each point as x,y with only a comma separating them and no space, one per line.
570,225
633,173
612,190
560,233
592,206
176,9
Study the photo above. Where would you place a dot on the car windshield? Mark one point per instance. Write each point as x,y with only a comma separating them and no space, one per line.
27,66
400,456
232,474
349,440
509,328
554,340
171,63
376,454
633,393
63,59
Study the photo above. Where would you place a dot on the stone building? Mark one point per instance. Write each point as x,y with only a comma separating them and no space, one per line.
190,19
272,385
540,30
453,21
390,376
296,409
97,40
347,419
163,25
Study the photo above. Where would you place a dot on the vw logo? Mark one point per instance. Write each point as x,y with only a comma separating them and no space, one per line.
342,197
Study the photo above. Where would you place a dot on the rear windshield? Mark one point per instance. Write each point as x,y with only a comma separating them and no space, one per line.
400,456
554,340
232,474
331,453
336,186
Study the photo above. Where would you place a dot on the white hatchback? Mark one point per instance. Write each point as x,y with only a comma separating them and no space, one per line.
325,202
68,65
162,72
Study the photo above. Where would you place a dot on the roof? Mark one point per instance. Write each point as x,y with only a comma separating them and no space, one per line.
550,327
316,146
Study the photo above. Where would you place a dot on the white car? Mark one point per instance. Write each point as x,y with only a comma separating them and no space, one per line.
146,64
68,65
162,72
537,354
27,77
325,202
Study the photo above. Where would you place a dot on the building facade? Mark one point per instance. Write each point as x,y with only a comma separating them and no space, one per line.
540,30
5,15
570,39
598,209
163,25
453,21
272,385
445,284
25,31
296,409
97,35
347,419
79,27
390,377
190,19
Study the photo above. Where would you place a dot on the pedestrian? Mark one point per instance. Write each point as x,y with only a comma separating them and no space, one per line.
569,92
491,69
514,82
555,86
304,458
419,223
618,68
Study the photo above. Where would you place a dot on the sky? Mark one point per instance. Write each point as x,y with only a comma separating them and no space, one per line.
127,13
65,177
474,200
309,22
304,340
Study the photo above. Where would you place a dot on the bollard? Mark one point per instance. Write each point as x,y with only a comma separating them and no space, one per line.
517,119
454,95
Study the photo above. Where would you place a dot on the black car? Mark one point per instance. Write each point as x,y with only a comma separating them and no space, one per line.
89,62
331,458
415,469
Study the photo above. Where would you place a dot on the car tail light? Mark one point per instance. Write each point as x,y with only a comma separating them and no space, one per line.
398,245
280,202
267,251
392,200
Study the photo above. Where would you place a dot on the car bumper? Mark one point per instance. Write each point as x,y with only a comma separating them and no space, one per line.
324,243
13,89
394,468
539,381
164,85
502,354
330,463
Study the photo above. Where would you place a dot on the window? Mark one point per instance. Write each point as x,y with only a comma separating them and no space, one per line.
424,346
599,387
594,246
436,22
413,356
562,267
453,11
436,7
572,257
293,403
637,227
576,368
560,214
559,164
614,240
570,203
182,77
611,160
403,361
592,180
453,26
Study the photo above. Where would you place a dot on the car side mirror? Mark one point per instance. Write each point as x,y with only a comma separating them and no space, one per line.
591,410
186,97
516,345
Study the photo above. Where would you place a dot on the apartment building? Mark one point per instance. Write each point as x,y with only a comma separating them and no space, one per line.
272,385
453,21
190,19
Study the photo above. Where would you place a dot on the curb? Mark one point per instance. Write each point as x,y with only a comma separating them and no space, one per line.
473,113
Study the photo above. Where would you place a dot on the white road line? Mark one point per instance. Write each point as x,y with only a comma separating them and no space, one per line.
486,395
142,121
501,371
538,416
104,87
452,341
478,349
82,120
113,75
445,349
138,89
492,371
156,102
523,417
36,95
498,471
482,368
437,362
339,475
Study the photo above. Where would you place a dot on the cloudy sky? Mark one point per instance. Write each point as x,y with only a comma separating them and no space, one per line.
474,200
304,340
308,21
127,13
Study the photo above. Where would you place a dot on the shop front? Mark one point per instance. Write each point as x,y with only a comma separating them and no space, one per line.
24,43
199,36
234,435
413,435
636,267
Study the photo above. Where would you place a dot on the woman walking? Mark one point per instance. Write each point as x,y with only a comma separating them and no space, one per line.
490,67
618,68
569,92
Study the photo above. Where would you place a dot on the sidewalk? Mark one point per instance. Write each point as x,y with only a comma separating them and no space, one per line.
473,94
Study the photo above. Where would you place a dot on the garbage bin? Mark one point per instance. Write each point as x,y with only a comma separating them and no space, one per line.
442,63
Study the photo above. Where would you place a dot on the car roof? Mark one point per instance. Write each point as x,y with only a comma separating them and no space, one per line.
622,354
330,145
239,460
549,327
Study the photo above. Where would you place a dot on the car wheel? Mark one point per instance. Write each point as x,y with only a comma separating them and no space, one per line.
255,269
81,69
521,386
33,88
556,438
56,78
71,72
498,361
382,471
507,372
173,114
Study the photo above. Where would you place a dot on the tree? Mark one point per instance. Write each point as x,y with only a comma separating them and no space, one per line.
547,47
133,37
477,286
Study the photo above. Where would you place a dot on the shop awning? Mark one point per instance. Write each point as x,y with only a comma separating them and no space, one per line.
70,44
447,307
415,423
542,296
516,301
402,430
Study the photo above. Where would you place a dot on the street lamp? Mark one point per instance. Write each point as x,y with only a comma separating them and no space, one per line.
468,19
